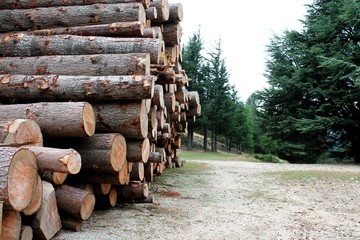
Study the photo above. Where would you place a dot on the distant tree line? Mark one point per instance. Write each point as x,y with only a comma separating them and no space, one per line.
311,110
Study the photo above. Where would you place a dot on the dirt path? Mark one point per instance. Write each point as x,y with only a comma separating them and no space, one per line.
239,200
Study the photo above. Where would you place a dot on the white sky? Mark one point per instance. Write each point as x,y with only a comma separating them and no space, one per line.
245,28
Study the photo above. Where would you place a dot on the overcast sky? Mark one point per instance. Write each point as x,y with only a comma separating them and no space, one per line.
245,28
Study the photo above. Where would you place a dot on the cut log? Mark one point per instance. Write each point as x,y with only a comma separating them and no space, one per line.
35,203
149,33
26,233
124,176
170,102
30,45
54,118
153,122
18,178
137,173
56,178
158,98
13,4
104,152
31,88
92,65
176,13
149,172
106,201
156,157
181,95
11,225
20,132
164,77
1,216
193,99
46,222
151,13
50,17
135,190
71,224
128,118
117,29
162,7
74,202
95,177
57,160
102,188
138,150
172,34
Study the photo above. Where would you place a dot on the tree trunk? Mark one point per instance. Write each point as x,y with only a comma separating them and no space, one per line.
46,222
162,8
66,16
54,118
172,34
151,13
137,173
135,190
18,177
138,150
57,160
74,202
29,45
128,118
51,88
103,152
20,132
176,12
56,178
26,233
92,65
11,225
116,29
14,4
71,224
35,203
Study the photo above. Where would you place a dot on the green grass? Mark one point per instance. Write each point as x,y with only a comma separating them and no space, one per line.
201,155
318,175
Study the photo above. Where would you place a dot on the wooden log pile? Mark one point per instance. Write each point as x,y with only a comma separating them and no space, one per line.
92,103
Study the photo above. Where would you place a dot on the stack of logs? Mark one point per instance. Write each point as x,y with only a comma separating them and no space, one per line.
92,101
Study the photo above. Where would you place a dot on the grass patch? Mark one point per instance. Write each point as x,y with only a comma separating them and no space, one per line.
202,155
268,158
318,175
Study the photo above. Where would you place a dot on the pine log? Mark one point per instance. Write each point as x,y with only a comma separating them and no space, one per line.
35,203
135,190
176,13
138,150
156,157
46,222
50,17
26,233
106,201
11,225
24,45
151,13
74,202
149,33
57,160
95,177
20,132
162,7
71,224
172,34
164,77
158,32
54,118
153,123
159,168
181,95
128,118
14,4
178,162
158,98
124,174
170,102
84,186
149,172
18,177
193,99
137,173
56,178
116,29
161,119
30,88
92,65
195,111
101,188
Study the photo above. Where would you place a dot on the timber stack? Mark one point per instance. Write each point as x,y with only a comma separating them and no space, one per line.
92,103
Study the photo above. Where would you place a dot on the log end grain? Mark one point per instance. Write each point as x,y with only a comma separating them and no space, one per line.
74,162
36,201
11,225
118,152
24,132
89,119
87,206
22,179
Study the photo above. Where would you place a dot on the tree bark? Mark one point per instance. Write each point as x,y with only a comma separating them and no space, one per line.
101,189
138,150
50,88
35,203
151,13
117,29
24,45
91,176
56,178
15,4
92,65
66,16
193,99
71,224
54,118
26,233
74,202
46,222
170,102
11,225
149,172
128,118
156,157
172,34
20,132
137,173
18,177
162,8
176,13
57,160
106,201
135,190
158,98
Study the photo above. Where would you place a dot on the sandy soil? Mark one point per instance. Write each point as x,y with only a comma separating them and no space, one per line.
237,200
